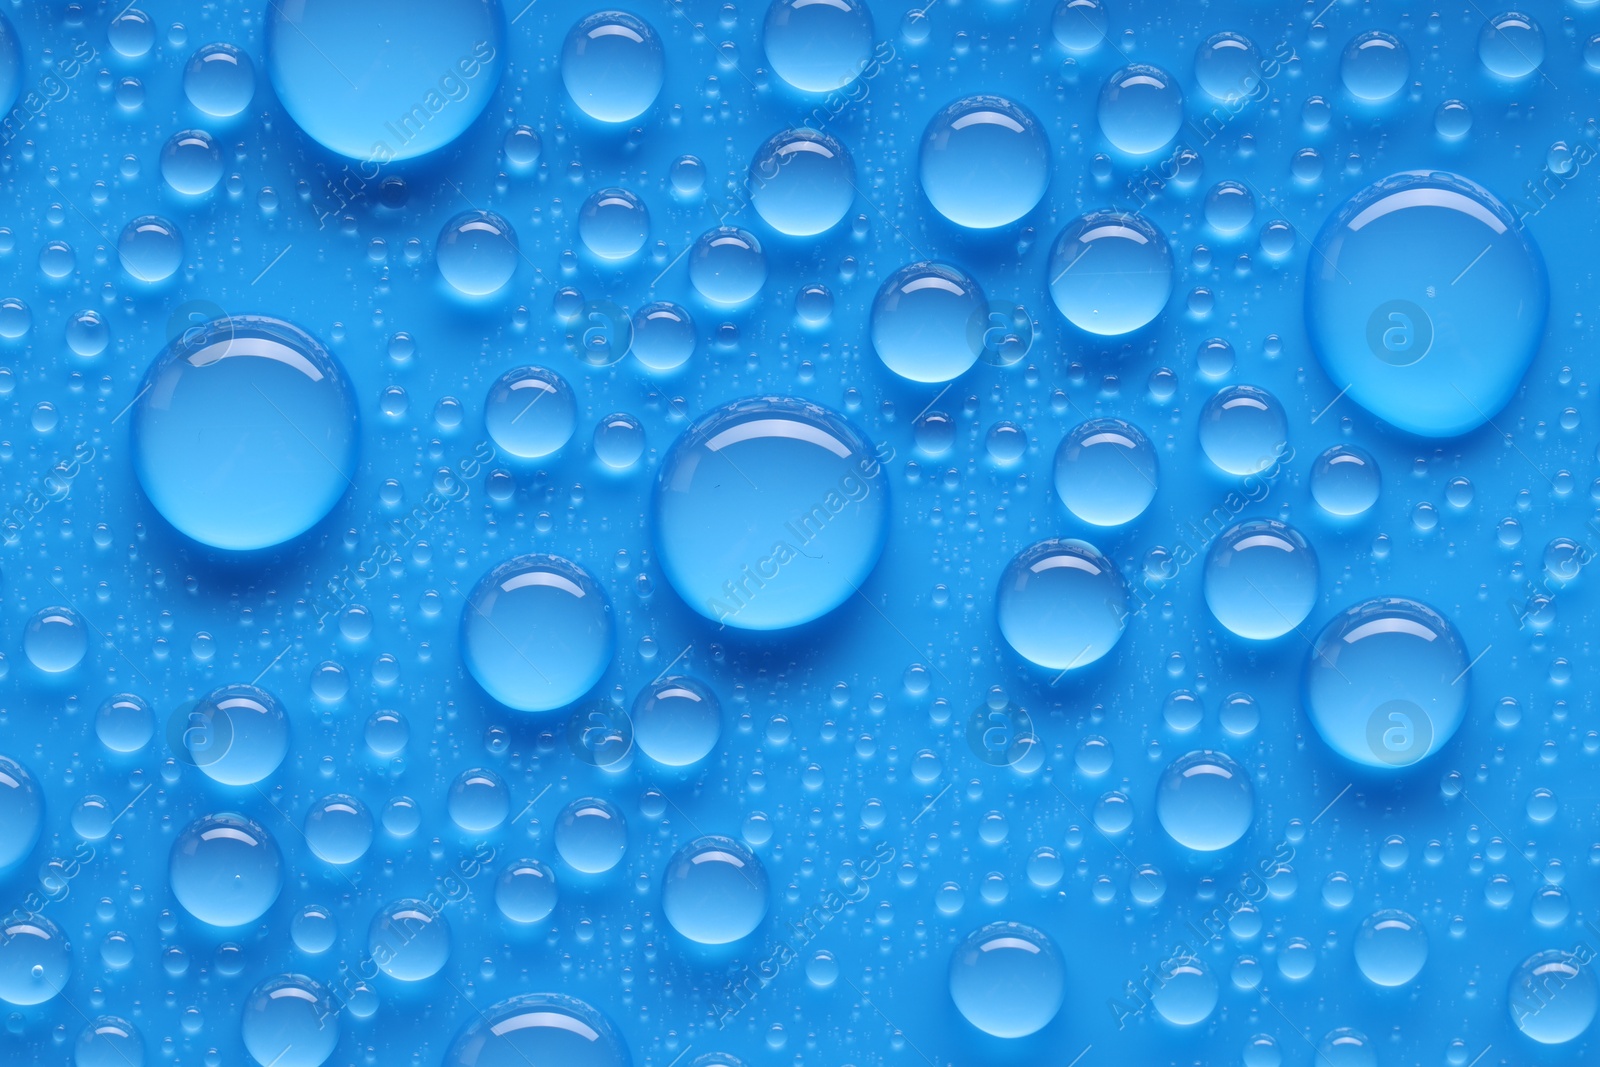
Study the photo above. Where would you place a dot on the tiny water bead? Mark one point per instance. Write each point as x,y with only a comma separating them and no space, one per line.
613,224
1390,948
591,835
1261,579
530,412
225,870
1244,430
612,66
191,163
237,735
150,249
219,80
537,632
801,182
339,829
1205,801
924,319
1105,472
478,801
966,144
1227,66
525,892
1007,979
1511,45
378,80
1552,996
619,441
727,266
1386,682
663,336
21,813
770,512
290,1021
1110,273
35,960
714,891
1345,481
409,940
245,433
1374,66
1062,605
1140,109
477,253
538,1028
56,639
1426,300
818,47
109,1041
676,721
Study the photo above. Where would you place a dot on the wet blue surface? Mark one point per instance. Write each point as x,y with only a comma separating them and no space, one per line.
780,671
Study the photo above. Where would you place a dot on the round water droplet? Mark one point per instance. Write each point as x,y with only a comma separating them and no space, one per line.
538,1028
21,812
1227,66
1385,682
802,182
1375,66
536,632
55,640
109,1041
1205,801
123,724
923,319
591,835
88,334
290,1021
613,224
339,829
818,47
1141,108
237,735
1345,481
381,80
191,163
220,80
478,801
1511,45
1552,996
1079,25
770,512
663,336
150,249
1187,992
530,412
967,144
35,960
477,253
1243,430
619,441
244,433
1106,472
676,721
1007,979
1261,579
525,892
1391,948
612,66
225,870
409,940
1346,1047
314,930
1110,273
1061,604
1427,299
1452,119
727,266
1229,207
714,891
